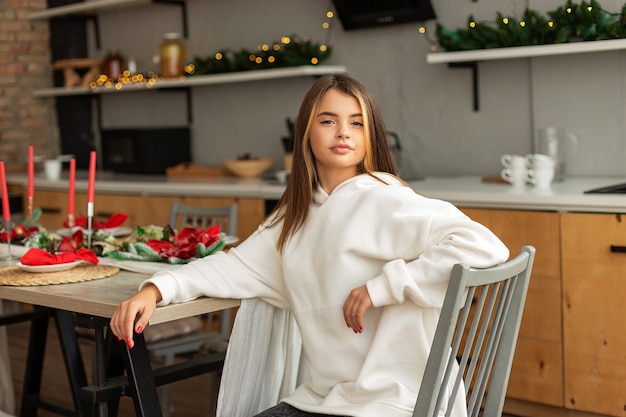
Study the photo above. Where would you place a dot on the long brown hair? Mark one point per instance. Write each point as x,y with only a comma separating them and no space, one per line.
293,207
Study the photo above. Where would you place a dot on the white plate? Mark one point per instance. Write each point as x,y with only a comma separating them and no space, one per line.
230,240
114,231
49,268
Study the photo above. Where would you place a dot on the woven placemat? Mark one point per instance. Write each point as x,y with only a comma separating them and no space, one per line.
13,275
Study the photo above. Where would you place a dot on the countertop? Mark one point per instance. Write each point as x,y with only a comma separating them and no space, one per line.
466,191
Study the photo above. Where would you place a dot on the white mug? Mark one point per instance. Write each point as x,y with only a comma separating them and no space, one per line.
52,168
514,176
538,160
510,161
540,177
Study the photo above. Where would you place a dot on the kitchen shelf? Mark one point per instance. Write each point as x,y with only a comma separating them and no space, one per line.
91,8
526,51
198,80
470,59
88,7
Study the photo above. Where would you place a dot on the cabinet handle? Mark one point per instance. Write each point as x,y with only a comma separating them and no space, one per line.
51,210
618,249
103,214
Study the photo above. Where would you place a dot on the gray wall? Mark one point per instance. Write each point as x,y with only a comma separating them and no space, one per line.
428,105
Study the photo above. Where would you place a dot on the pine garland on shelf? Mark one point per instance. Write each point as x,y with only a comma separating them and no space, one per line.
570,22
290,51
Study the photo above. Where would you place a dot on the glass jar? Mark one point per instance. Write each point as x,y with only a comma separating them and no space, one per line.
172,55
114,64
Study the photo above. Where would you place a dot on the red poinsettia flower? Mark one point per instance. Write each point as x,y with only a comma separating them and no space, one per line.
71,244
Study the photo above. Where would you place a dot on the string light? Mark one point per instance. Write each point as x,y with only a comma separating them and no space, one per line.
585,22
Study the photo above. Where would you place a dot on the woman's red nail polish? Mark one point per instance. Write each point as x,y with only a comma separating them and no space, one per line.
139,329
128,342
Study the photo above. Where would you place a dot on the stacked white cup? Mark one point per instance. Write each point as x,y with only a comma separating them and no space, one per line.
541,169
514,171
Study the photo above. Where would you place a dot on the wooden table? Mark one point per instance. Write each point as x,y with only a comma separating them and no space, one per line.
93,303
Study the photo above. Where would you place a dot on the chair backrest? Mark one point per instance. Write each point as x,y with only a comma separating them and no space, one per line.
475,339
182,215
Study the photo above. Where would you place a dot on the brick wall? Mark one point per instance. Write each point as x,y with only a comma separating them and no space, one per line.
24,67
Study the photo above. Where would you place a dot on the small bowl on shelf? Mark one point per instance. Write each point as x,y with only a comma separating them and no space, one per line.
248,168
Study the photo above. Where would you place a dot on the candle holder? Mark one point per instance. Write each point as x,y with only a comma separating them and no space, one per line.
90,211
7,231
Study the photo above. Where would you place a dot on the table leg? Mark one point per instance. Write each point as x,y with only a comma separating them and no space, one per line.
73,359
140,378
34,366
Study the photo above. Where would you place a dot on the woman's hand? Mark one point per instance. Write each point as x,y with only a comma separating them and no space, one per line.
355,307
134,314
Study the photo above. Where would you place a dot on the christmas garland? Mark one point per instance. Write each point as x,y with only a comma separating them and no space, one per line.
570,22
288,52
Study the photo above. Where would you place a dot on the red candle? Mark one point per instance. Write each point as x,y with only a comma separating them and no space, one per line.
92,177
70,193
31,172
6,211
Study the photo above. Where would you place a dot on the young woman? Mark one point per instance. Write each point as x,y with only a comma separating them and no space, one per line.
359,258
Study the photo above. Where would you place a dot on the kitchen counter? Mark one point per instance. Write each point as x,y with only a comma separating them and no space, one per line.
466,191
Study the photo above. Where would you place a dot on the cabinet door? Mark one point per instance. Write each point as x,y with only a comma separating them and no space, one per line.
537,369
594,327
53,205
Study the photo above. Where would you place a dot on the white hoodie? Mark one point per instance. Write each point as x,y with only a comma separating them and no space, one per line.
366,232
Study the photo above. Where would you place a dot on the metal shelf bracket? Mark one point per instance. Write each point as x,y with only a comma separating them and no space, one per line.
474,67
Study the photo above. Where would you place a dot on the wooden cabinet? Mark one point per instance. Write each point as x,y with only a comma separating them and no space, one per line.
594,323
537,373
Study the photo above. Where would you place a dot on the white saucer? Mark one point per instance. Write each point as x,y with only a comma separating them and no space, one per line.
230,240
48,268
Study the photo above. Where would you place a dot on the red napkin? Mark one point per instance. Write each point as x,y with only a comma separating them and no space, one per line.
116,220
38,257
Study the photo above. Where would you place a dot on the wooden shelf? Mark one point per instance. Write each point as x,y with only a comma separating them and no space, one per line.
199,80
88,7
526,51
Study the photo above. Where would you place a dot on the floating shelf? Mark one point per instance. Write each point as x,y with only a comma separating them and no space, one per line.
199,80
526,51
469,59
87,7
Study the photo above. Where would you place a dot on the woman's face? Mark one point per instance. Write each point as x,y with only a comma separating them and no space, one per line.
337,137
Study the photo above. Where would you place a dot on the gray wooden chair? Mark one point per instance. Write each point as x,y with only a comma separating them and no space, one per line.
475,339
187,336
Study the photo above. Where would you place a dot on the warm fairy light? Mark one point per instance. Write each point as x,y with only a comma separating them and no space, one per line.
258,60
330,14
252,57
522,23
323,48
589,9
472,24
189,69
325,25
551,24
286,40
219,56
314,61
422,29
265,47
276,47
271,59
569,10
505,21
